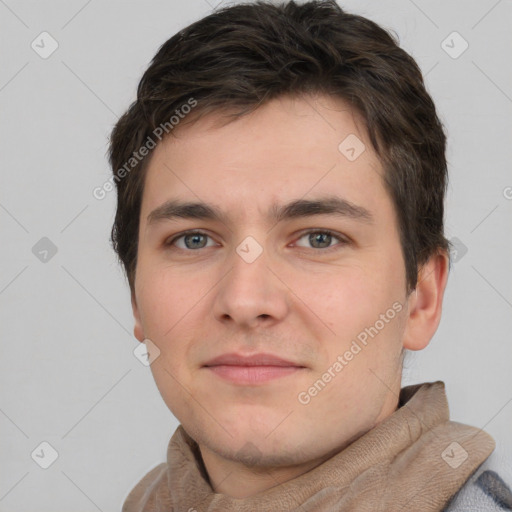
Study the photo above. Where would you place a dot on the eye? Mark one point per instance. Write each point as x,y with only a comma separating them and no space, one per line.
191,239
321,239
318,238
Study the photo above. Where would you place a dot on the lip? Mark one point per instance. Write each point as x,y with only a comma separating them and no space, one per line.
262,359
253,369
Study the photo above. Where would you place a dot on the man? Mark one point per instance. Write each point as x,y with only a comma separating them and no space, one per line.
280,181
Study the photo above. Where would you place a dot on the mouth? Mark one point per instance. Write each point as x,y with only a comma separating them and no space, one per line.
251,370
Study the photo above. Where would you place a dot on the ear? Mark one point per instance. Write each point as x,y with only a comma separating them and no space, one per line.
138,331
425,302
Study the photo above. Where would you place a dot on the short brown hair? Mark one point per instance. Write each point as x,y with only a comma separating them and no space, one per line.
242,56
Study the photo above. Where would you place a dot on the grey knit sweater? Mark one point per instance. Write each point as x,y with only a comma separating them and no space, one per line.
488,489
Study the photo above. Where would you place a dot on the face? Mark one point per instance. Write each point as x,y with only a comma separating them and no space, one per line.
321,286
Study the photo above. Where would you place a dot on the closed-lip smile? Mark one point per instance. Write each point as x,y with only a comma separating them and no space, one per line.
262,359
252,369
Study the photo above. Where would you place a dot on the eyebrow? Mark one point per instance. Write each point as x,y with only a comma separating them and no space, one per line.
330,205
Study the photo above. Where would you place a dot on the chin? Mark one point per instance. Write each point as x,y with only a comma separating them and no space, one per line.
277,449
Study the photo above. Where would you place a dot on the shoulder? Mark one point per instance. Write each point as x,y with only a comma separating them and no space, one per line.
488,489
151,493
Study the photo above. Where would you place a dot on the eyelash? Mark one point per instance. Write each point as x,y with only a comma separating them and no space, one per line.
342,240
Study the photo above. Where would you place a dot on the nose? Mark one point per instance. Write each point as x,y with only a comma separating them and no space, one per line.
251,294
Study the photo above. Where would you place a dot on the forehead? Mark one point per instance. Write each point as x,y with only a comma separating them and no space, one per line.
288,148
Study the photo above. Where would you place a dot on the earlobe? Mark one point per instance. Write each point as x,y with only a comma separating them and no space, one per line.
137,329
425,303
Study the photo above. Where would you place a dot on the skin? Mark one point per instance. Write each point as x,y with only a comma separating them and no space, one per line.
295,300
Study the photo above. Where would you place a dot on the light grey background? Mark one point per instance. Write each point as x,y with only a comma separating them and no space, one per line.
68,374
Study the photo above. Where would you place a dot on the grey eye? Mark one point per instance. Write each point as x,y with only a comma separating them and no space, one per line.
319,239
191,241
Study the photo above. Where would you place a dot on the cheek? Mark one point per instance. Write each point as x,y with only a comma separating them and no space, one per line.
345,295
166,306
352,299
166,298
